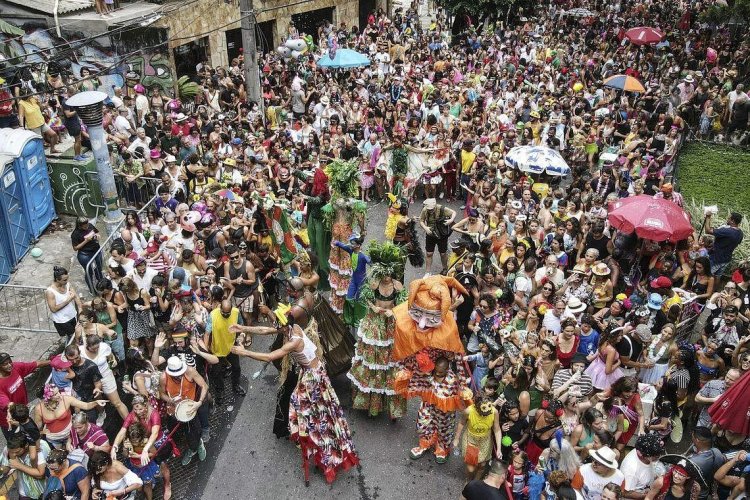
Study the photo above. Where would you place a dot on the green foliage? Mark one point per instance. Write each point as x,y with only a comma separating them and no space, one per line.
736,11
711,174
188,90
480,8
387,259
715,175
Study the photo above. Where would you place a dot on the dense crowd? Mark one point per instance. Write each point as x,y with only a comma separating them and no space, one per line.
580,369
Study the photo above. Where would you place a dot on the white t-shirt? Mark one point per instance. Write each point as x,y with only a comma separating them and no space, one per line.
593,483
638,476
123,125
100,359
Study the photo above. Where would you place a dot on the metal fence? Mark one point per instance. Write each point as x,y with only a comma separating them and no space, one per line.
24,308
105,246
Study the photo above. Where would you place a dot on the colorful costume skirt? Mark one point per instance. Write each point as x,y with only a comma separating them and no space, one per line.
317,424
373,372
340,263
476,449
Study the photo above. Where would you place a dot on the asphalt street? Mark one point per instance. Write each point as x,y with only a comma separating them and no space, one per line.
252,464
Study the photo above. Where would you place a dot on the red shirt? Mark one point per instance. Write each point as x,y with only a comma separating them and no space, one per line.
153,419
13,388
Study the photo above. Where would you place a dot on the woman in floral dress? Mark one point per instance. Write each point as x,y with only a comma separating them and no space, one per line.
373,371
316,420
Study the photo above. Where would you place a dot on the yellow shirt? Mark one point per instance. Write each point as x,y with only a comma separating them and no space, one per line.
478,425
467,160
222,339
32,113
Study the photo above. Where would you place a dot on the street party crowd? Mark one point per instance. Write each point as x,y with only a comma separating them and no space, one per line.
559,346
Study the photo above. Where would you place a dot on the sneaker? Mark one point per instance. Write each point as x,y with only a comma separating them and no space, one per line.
205,436
202,452
100,419
463,207
79,158
187,456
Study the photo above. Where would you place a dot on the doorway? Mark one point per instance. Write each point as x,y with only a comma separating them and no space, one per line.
309,22
189,55
365,7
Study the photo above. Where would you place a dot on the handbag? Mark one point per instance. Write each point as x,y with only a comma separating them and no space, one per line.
442,230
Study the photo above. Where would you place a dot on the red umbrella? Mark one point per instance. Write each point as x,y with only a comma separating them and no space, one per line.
731,411
644,35
655,219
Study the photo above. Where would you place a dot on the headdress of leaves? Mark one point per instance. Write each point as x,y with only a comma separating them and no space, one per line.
342,178
387,258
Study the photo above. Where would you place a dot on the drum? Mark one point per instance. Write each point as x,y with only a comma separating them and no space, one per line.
185,410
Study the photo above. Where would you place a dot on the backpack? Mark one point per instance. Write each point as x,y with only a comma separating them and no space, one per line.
57,483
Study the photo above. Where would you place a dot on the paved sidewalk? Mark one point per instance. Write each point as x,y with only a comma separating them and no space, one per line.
24,307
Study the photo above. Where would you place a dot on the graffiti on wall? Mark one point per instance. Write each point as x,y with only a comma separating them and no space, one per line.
39,51
150,70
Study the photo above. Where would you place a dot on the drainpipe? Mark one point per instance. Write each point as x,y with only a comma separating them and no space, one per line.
57,21
89,108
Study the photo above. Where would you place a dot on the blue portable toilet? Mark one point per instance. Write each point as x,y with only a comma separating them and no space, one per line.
5,261
31,168
14,225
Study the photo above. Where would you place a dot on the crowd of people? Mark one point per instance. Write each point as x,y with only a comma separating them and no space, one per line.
573,375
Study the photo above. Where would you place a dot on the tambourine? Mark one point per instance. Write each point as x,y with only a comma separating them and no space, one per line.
185,410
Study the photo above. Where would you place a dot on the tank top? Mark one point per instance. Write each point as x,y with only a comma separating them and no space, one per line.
32,113
55,425
479,425
240,291
566,357
184,388
66,313
307,355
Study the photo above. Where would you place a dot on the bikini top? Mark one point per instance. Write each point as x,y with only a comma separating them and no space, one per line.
385,298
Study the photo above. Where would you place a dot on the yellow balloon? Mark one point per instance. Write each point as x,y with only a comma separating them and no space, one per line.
578,86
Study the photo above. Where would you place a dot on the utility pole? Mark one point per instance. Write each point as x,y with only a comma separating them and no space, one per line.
250,51
88,105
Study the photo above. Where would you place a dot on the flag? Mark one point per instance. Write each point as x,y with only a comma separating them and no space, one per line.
281,233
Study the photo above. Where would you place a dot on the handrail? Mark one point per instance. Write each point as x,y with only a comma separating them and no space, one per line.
106,244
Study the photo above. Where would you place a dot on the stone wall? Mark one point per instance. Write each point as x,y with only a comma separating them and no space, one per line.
189,23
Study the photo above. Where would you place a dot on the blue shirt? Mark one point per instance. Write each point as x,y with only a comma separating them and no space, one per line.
588,344
727,239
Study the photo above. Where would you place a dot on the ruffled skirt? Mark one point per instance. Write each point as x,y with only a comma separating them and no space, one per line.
317,424
373,372
599,378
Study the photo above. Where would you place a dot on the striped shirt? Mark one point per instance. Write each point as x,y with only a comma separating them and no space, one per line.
583,382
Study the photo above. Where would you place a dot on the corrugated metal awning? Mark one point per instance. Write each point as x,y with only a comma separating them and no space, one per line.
48,6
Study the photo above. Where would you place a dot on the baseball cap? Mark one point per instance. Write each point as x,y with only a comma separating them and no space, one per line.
4,357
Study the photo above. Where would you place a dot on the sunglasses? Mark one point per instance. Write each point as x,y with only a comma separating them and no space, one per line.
233,257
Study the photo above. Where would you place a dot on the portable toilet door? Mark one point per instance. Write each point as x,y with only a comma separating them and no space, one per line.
12,217
31,169
6,266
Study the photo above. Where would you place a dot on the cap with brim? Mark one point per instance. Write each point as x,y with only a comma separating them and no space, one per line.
59,362
578,357
4,356
139,261
429,203
655,301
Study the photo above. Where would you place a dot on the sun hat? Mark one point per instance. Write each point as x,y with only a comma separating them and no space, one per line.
579,269
180,117
230,161
643,333
601,269
175,366
575,305
324,100
155,154
689,79
170,159
603,455
655,301
429,203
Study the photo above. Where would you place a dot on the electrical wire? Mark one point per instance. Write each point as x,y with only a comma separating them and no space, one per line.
125,57
67,47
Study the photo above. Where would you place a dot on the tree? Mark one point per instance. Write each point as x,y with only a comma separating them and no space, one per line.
479,10
731,12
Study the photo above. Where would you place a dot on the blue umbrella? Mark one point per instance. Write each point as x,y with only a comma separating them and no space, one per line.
537,160
344,58
662,45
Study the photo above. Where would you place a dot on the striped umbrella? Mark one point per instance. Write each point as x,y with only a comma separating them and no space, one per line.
537,160
624,82
644,35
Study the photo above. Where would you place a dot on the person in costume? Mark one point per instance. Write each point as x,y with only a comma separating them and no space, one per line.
341,214
316,420
427,345
482,423
354,310
373,371
318,233
396,218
